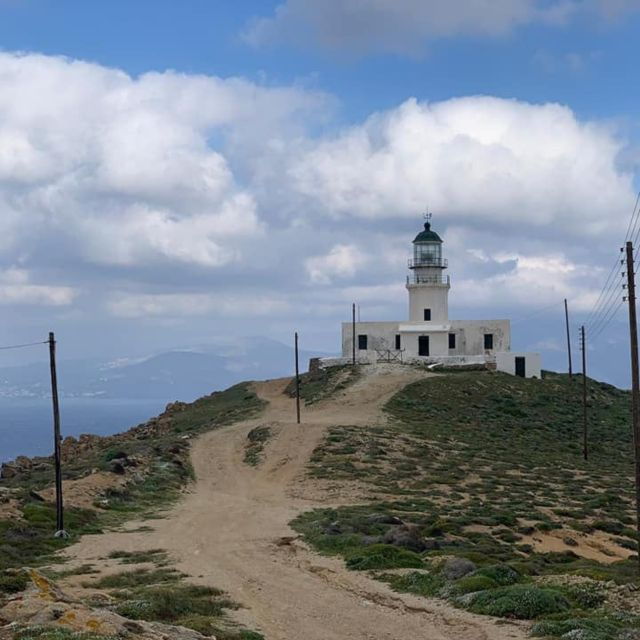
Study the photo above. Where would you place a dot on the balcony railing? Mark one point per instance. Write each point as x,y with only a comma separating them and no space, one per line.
438,263
433,280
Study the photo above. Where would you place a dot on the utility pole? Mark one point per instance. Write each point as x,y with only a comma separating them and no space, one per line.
566,313
635,378
353,332
297,382
60,532
583,346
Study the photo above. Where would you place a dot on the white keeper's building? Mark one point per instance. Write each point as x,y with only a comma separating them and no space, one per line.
429,335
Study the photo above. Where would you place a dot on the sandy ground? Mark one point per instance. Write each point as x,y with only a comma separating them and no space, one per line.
227,532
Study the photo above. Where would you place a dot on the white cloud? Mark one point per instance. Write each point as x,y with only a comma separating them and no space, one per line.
476,160
190,196
405,26
123,170
17,289
341,262
531,281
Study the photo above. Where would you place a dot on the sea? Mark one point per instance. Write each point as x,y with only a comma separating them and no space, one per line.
26,426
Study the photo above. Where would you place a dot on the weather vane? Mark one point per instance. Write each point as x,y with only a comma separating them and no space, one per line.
427,216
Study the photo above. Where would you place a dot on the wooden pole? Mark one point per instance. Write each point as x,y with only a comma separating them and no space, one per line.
353,332
297,382
60,532
635,379
566,313
585,449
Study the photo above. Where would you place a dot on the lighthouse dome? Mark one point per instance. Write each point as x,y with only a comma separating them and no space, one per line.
427,235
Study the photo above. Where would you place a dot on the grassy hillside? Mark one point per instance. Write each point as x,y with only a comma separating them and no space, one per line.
482,491
153,462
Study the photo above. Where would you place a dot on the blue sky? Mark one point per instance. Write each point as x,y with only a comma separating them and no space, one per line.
515,120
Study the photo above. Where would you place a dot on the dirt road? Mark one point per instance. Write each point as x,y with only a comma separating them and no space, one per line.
225,532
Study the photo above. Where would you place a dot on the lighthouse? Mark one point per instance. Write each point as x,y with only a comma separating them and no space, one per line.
429,336
428,285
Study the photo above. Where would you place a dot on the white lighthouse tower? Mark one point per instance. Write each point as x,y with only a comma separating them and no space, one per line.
428,286
429,336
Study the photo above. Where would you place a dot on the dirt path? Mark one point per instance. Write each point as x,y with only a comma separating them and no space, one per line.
226,532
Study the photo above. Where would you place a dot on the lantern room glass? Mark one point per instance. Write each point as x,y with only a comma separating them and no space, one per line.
427,253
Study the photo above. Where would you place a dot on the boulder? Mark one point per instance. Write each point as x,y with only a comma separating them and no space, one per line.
8,471
384,518
456,568
407,537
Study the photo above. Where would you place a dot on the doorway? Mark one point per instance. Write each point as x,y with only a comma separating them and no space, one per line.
521,366
423,345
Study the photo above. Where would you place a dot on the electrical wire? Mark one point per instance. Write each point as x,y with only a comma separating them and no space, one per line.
600,316
22,346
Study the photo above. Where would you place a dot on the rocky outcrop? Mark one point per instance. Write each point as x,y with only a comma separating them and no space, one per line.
43,603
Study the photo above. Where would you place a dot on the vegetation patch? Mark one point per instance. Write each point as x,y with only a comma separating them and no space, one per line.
523,602
485,467
156,556
324,383
257,438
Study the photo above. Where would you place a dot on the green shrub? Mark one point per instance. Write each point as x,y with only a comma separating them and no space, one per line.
420,583
13,583
519,601
471,584
383,556
591,628
502,574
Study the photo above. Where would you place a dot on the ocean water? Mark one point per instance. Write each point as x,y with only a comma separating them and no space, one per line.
26,426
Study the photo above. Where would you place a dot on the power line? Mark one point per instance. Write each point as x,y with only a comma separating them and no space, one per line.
604,298
22,346
608,321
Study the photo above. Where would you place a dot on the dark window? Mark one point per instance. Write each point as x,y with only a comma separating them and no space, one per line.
427,315
452,341
362,343
488,341
423,345
521,366
398,343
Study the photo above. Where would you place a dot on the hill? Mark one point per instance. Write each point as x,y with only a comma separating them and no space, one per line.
426,505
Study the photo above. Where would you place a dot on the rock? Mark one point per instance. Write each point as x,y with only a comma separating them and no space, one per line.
569,541
176,407
431,544
42,603
383,518
334,529
456,568
117,466
369,540
23,463
407,537
34,495
8,471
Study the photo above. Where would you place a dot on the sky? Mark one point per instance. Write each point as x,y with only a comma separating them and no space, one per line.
173,173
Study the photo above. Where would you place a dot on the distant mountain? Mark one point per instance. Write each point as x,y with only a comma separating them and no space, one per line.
184,373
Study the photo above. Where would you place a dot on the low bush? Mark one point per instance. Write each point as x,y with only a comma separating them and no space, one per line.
502,574
471,584
519,601
383,556
420,583
13,583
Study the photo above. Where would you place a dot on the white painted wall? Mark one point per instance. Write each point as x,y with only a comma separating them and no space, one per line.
506,362
434,297
473,332
469,337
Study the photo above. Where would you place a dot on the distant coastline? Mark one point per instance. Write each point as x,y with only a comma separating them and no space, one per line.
26,423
